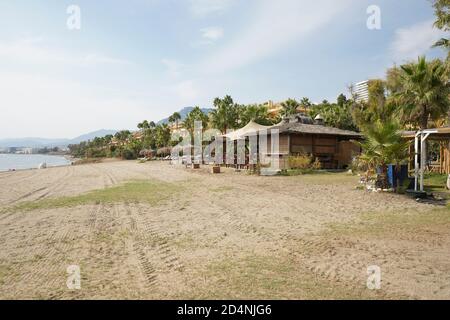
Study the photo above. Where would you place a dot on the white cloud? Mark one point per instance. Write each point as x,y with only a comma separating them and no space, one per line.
95,59
173,67
413,41
274,26
212,33
186,91
35,50
201,8
36,105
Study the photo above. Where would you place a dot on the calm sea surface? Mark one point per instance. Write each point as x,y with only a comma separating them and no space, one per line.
29,161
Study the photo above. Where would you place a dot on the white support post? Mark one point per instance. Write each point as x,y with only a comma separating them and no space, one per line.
423,157
422,160
416,162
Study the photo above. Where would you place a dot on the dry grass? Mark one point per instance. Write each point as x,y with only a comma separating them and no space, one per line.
393,224
271,277
151,192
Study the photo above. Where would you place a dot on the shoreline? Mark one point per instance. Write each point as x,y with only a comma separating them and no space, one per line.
71,160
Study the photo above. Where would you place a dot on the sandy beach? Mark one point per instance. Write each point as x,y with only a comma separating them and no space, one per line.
196,235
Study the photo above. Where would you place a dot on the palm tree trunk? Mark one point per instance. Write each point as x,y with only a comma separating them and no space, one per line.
424,119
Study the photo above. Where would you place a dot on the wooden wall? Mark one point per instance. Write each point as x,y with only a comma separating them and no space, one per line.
322,147
283,156
332,153
347,151
445,158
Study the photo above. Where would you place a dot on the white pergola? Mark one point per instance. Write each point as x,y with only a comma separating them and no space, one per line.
420,150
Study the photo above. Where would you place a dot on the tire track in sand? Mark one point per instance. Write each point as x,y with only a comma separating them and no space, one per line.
46,268
139,248
151,245
16,216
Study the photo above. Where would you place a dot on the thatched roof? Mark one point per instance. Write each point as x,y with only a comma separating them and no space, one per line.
315,129
164,151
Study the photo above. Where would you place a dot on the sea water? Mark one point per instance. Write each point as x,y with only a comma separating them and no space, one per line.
30,161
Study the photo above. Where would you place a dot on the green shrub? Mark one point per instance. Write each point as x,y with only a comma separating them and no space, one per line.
300,162
128,154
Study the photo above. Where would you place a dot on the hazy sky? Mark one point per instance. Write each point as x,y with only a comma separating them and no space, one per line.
144,59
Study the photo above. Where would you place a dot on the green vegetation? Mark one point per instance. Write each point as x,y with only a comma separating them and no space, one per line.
152,192
175,118
290,107
195,115
435,180
442,12
436,183
256,113
304,162
424,92
383,146
338,115
378,106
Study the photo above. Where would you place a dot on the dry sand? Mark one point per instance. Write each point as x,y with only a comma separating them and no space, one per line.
223,236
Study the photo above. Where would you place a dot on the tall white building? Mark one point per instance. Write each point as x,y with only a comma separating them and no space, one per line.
362,91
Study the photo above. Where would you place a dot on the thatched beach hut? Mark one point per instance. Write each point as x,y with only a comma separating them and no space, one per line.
300,135
332,147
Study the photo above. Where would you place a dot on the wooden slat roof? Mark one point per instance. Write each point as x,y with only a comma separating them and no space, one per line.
441,134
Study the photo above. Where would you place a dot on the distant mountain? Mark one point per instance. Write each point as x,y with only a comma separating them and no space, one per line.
90,136
184,112
43,142
30,142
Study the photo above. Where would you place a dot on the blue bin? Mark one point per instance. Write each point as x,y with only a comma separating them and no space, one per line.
399,175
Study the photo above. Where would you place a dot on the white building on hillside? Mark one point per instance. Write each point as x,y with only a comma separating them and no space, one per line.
361,91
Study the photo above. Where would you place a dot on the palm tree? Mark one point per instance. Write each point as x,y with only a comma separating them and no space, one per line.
225,115
176,117
123,135
254,112
171,120
162,135
442,10
424,92
143,125
195,115
383,145
305,104
290,107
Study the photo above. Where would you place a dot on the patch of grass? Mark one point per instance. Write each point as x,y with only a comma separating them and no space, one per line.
435,179
151,192
256,276
323,177
87,161
221,189
393,224
436,183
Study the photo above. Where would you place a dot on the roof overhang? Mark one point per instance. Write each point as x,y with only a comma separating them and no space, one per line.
433,134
